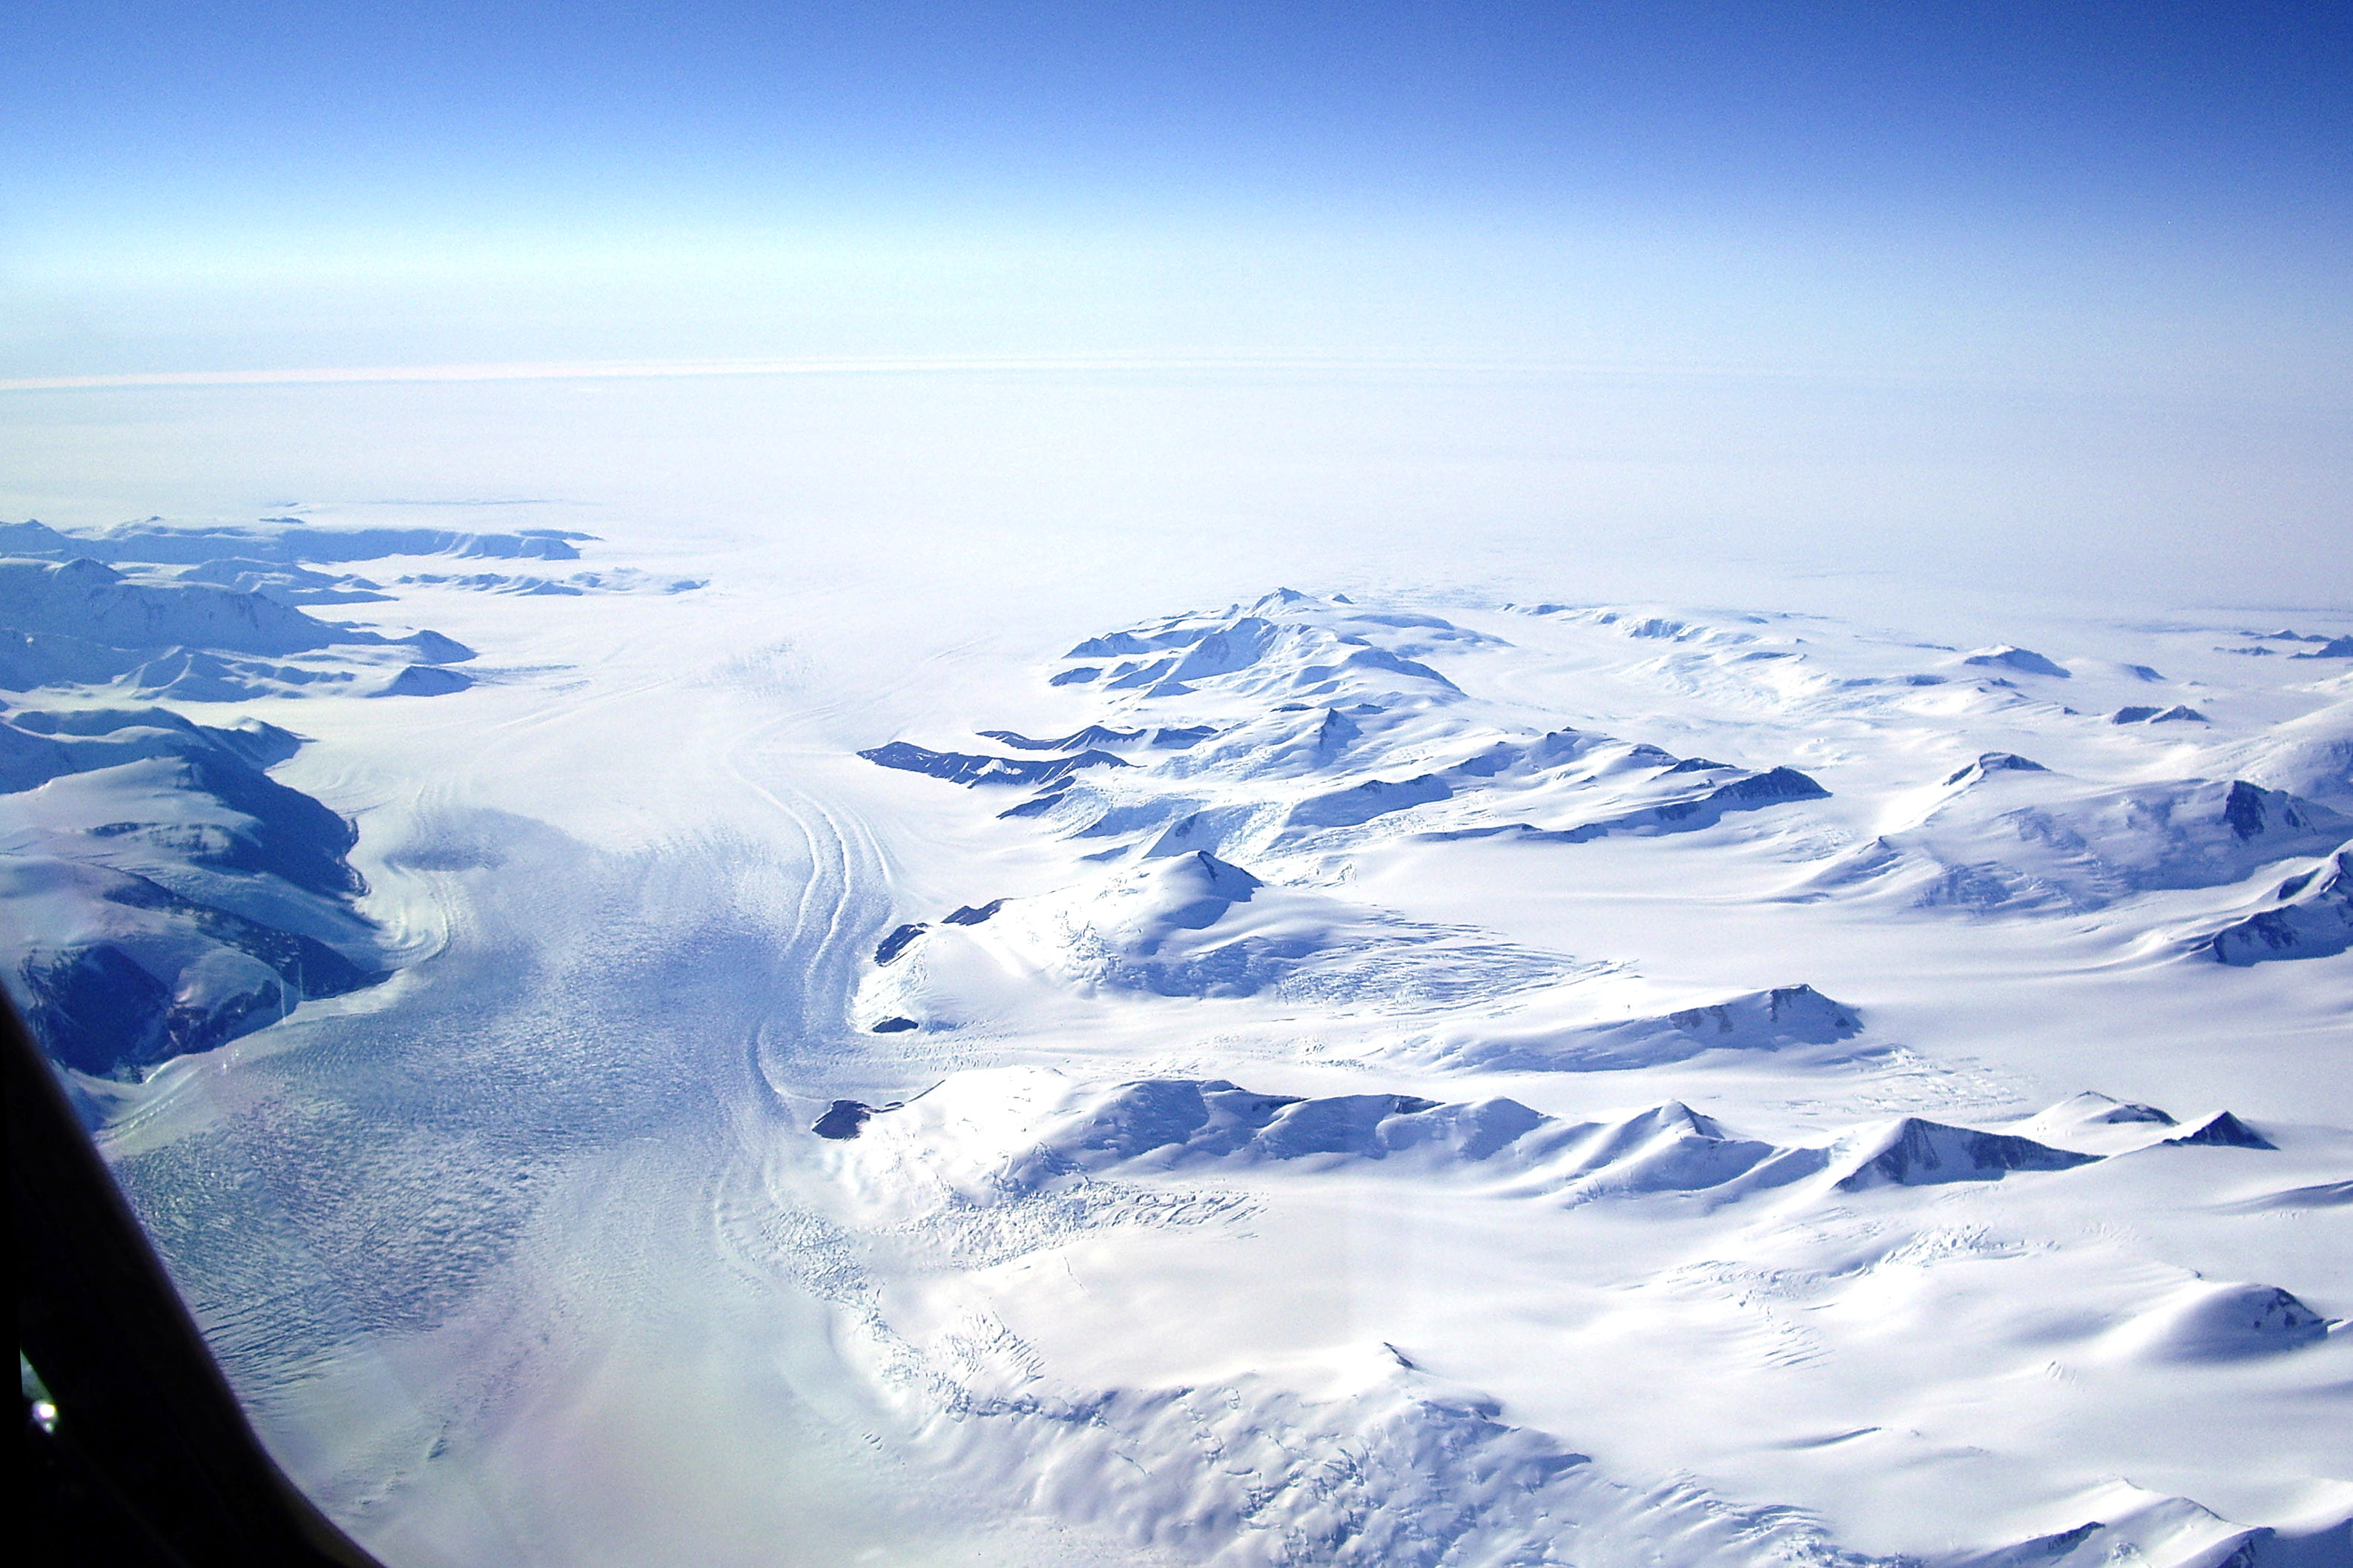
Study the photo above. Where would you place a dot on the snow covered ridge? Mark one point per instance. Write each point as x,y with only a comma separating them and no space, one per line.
217,614
2009,833
2330,648
163,895
1195,926
81,624
2311,756
2309,915
613,580
1535,1039
1000,1136
283,542
1298,725
1438,1470
1295,732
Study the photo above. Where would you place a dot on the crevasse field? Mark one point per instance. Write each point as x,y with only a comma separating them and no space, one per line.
1139,968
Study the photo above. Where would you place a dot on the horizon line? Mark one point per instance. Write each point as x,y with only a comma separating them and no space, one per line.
612,370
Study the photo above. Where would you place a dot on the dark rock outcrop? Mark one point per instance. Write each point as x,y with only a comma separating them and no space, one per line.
894,945
958,767
1919,1152
2222,1130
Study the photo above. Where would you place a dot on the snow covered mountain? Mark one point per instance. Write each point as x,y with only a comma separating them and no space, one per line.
165,894
1388,747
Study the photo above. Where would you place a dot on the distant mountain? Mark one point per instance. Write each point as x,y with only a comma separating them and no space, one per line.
82,624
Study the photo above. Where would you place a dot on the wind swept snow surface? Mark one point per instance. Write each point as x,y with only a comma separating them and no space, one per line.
760,1070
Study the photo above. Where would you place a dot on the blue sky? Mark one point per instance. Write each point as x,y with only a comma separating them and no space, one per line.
2139,192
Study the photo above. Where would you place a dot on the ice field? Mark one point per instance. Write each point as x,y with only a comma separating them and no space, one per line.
663,1036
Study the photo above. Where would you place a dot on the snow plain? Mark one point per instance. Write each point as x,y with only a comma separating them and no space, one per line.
1453,1072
